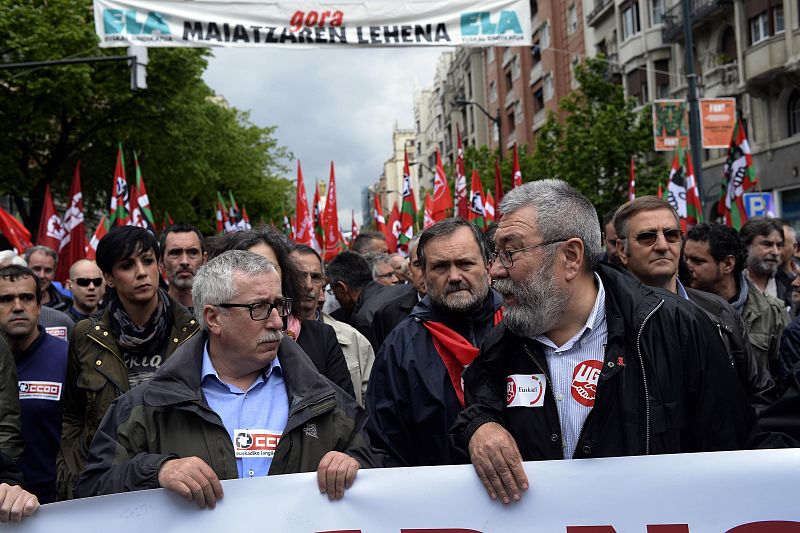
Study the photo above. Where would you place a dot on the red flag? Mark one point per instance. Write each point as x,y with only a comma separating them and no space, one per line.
15,231
120,213
409,210
304,226
50,230
660,192
140,212
222,215
476,211
73,245
334,240
739,176
394,229
319,222
99,233
442,201
353,227
380,222
462,207
245,219
498,182
488,209
632,184
427,220
516,179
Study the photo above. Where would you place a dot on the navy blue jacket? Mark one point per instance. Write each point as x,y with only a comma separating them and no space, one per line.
41,370
410,399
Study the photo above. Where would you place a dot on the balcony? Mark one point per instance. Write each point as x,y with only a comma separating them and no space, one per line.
764,61
721,80
601,7
702,11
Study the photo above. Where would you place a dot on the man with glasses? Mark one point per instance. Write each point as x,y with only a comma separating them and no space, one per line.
219,408
88,288
649,244
587,362
182,253
415,390
382,269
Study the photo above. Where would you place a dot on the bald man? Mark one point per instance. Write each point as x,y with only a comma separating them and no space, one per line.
88,288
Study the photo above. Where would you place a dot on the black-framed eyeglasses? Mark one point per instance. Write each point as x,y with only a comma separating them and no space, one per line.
506,257
84,282
262,310
649,238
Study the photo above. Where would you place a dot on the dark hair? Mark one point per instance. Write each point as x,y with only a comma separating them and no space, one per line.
759,226
292,282
364,240
722,241
180,227
608,218
307,250
488,238
351,268
639,205
14,272
43,250
447,227
122,242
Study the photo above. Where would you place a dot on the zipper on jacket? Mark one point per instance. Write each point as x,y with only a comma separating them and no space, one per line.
326,402
644,376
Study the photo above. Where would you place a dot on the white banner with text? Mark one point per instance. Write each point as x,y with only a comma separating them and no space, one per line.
370,23
727,492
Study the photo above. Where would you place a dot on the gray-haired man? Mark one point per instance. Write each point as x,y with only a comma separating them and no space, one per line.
240,383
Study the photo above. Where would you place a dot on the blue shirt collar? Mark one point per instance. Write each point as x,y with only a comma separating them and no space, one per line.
209,370
681,289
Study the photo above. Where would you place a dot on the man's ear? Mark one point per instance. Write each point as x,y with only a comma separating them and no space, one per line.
623,257
211,314
573,258
727,265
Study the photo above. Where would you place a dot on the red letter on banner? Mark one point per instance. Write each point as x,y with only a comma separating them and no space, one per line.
659,528
767,527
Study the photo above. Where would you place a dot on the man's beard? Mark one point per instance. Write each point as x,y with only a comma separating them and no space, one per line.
461,303
763,267
539,303
182,283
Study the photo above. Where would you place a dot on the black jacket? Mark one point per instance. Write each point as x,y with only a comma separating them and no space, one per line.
9,471
391,314
411,402
779,424
372,298
756,380
319,342
666,386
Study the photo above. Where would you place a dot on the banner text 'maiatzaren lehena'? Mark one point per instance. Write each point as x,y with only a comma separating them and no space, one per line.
203,24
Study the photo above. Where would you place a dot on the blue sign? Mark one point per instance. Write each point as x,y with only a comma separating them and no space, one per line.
758,204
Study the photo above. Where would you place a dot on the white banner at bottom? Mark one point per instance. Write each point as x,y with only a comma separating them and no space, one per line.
727,492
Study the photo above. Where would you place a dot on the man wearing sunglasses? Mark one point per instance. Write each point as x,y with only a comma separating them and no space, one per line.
649,244
219,408
587,362
88,288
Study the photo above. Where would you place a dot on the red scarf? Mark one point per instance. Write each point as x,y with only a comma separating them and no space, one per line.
456,352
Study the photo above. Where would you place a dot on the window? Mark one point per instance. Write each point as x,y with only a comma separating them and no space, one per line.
536,52
662,78
509,81
518,111
547,86
511,121
572,19
492,91
538,99
630,20
656,12
777,19
573,67
515,68
794,113
759,28
545,33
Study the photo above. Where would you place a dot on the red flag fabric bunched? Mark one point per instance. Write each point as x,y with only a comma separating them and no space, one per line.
73,245
245,219
427,219
334,240
682,191
409,209
120,211
516,178
99,233
50,229
461,202
353,226
660,192
476,211
632,183
394,229
222,215
14,231
380,221
141,215
442,201
319,223
488,209
304,226
739,177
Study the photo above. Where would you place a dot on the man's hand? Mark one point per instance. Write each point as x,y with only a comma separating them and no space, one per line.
336,472
16,503
497,461
193,479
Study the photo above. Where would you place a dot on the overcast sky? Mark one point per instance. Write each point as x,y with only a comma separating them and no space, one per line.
328,104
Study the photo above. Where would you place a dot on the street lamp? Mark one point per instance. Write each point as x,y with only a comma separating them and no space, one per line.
496,119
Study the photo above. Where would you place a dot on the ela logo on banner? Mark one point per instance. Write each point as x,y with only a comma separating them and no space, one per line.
525,390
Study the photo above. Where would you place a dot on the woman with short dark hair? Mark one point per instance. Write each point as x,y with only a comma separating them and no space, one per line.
114,352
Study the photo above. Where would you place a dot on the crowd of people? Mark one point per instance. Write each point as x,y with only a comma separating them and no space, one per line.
182,361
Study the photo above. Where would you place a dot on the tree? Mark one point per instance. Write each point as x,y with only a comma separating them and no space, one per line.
592,148
190,143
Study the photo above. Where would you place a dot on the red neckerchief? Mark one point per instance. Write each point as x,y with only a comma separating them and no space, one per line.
455,351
